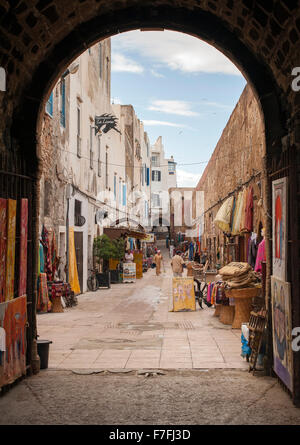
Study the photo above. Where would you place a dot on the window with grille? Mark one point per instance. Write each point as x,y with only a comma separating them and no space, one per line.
77,212
156,175
155,161
155,200
171,167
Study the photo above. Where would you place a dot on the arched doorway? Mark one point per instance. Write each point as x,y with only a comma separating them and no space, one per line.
244,34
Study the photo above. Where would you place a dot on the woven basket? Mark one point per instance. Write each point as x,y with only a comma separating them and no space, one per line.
56,305
243,304
227,314
246,292
218,310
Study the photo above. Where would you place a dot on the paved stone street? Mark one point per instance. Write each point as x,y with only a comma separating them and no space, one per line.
103,348
130,326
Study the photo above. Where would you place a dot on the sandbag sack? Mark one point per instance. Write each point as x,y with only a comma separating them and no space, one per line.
235,269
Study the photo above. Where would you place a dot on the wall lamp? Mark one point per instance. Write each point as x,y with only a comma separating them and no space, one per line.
72,70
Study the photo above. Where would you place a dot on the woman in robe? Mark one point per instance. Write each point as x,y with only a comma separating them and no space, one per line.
158,260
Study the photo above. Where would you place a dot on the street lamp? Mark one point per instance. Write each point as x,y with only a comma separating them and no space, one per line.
71,70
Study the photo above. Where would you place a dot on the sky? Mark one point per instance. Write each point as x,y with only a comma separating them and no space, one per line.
181,88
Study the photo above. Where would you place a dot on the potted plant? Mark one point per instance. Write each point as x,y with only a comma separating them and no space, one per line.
104,248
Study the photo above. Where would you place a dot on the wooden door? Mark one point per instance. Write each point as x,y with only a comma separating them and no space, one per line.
78,239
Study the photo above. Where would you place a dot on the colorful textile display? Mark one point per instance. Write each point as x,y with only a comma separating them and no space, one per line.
252,251
216,293
23,248
261,256
243,211
249,211
13,318
10,252
41,267
43,298
45,242
54,257
210,287
223,217
73,274
3,223
237,215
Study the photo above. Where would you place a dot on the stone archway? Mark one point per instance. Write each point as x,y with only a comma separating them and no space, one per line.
38,39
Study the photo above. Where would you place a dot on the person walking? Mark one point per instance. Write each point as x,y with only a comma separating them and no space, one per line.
177,264
158,260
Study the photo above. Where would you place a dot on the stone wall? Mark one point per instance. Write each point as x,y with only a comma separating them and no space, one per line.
237,161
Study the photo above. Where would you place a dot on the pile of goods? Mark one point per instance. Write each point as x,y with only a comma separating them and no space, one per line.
197,269
239,275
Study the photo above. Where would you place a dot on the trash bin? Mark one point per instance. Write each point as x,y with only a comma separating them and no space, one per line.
43,352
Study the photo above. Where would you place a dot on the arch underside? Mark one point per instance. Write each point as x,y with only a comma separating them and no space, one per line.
201,24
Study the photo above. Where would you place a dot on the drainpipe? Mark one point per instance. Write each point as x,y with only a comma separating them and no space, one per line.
69,192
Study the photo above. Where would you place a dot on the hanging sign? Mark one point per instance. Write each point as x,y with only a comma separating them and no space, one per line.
129,273
280,228
183,294
138,259
108,121
149,238
282,330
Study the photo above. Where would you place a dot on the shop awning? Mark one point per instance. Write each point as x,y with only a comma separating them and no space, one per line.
223,217
117,232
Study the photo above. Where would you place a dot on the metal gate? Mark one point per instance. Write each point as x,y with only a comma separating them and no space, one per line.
16,184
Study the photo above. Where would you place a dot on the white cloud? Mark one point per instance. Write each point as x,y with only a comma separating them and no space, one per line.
121,63
176,50
172,107
156,74
187,179
162,123
216,105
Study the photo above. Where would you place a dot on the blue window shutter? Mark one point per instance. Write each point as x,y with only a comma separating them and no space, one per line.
63,104
148,176
49,105
124,195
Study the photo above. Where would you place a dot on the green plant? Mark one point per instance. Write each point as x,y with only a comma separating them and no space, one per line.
119,248
105,248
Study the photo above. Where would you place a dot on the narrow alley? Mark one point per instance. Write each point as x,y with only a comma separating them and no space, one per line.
131,326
